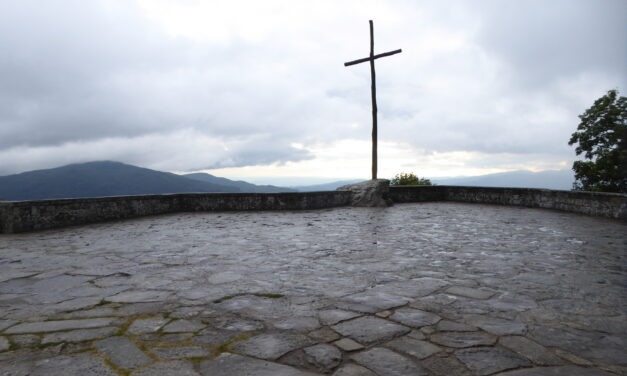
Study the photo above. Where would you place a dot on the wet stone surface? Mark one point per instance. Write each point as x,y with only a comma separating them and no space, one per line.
413,289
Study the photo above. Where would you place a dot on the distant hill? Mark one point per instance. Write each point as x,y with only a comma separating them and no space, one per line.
242,186
98,179
550,179
325,187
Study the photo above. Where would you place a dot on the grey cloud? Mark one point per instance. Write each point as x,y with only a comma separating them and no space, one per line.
88,72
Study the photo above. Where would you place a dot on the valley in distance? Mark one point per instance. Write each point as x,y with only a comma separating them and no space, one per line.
107,178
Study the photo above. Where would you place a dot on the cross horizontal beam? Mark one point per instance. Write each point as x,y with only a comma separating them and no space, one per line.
372,58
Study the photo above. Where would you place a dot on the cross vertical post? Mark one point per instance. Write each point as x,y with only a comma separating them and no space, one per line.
373,89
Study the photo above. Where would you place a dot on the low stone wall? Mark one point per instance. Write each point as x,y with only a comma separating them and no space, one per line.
21,216
611,205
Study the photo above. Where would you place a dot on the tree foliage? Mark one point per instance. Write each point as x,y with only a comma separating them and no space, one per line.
409,179
602,138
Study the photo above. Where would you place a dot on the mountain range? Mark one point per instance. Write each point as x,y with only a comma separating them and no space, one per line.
106,178
549,179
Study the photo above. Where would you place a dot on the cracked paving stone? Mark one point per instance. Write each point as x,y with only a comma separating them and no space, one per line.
323,335
499,327
556,371
348,344
451,326
446,366
144,326
323,357
26,340
232,364
414,287
413,347
170,368
180,326
54,326
139,296
122,352
6,323
215,337
531,350
462,339
370,329
81,364
4,344
299,324
389,363
351,369
333,316
414,317
180,352
273,345
488,360
79,335
377,300
469,292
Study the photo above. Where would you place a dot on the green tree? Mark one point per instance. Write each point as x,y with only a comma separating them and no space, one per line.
602,137
409,179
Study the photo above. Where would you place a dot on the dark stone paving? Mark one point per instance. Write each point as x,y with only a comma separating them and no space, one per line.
414,289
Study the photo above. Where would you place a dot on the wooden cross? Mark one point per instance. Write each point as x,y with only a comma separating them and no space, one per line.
373,88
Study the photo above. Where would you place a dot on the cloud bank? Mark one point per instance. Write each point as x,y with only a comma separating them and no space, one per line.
191,85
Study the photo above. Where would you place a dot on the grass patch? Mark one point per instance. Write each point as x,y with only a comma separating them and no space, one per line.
261,295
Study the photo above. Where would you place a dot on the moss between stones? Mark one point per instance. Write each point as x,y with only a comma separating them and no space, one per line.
261,295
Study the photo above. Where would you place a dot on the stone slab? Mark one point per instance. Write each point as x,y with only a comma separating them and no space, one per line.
334,316
180,352
80,364
446,366
414,347
272,345
370,329
180,326
6,323
169,368
215,337
122,352
232,364
470,292
488,360
323,357
535,352
497,326
148,325
389,363
4,344
79,335
414,317
557,371
452,326
462,339
348,344
351,369
323,335
377,300
54,326
145,296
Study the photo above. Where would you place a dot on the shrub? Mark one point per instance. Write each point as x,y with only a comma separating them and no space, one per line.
409,179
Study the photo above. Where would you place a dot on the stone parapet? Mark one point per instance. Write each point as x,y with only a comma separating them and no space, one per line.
610,205
22,216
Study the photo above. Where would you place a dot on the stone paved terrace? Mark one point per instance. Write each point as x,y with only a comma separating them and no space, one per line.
415,289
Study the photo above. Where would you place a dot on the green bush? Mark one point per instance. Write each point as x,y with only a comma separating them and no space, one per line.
409,179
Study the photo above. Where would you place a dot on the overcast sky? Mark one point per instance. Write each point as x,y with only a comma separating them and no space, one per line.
258,89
